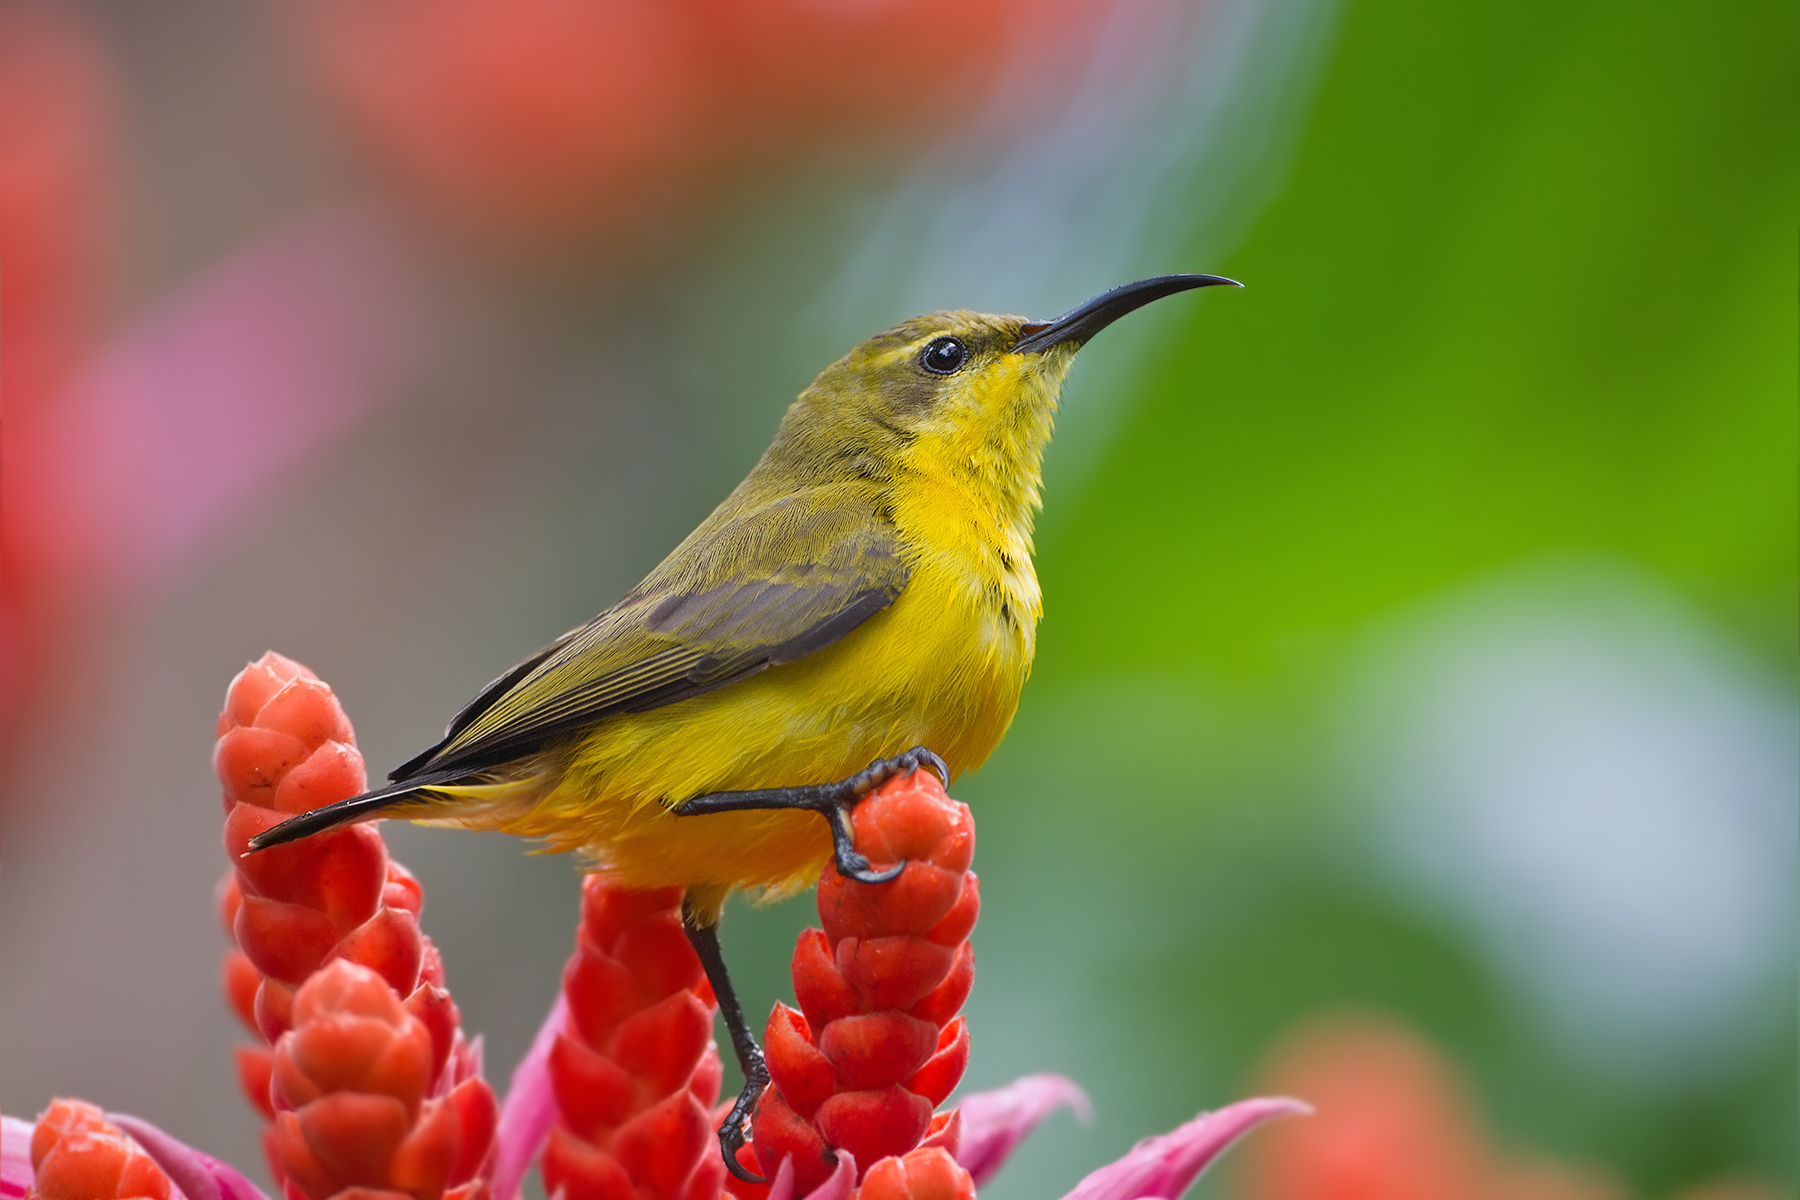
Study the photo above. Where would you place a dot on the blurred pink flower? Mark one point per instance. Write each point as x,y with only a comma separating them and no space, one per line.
222,390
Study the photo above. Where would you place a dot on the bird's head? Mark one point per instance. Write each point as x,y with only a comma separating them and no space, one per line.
963,393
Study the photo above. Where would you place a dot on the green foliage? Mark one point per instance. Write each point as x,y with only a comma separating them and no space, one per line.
1529,288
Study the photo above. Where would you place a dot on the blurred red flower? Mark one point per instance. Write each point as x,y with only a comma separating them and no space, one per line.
60,175
1392,1121
543,120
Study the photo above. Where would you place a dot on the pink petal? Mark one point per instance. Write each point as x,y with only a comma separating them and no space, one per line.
1161,1168
16,1174
782,1186
530,1107
995,1122
839,1186
842,1180
199,1176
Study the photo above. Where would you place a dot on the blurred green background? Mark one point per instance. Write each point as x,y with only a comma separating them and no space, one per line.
1420,621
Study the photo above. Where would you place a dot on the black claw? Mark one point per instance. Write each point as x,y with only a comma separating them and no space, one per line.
731,1133
856,866
851,862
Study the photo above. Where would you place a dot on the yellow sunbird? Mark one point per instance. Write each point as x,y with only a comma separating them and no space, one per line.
862,604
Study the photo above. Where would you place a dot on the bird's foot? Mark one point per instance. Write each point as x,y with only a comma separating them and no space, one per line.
833,801
735,1131
851,862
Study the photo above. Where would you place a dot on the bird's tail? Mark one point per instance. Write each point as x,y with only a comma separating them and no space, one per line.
418,791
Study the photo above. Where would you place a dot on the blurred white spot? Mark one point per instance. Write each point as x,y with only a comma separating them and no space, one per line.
1580,772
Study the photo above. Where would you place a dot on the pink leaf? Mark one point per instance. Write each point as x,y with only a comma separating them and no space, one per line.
530,1107
995,1122
1161,1168
16,1174
199,1176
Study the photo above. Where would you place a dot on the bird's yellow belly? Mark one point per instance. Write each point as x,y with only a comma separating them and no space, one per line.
941,668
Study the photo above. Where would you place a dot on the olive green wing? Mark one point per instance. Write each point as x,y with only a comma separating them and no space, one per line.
742,594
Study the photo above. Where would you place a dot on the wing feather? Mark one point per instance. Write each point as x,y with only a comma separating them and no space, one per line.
743,593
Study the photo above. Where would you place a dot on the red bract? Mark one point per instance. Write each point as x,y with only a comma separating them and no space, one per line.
635,1070
371,1082
876,1045
77,1154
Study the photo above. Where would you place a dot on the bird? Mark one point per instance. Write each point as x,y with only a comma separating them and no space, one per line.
863,604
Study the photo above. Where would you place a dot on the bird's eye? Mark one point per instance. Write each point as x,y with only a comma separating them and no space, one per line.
943,356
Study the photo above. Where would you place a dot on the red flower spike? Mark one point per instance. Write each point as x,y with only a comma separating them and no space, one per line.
880,1044
634,1070
77,1154
370,1086
357,1104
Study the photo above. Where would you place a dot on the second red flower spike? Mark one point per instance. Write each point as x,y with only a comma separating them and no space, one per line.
877,1044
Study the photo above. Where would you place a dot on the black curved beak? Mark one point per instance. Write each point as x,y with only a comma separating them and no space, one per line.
1084,321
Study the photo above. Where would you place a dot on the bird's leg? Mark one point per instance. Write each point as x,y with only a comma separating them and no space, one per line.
705,940
833,801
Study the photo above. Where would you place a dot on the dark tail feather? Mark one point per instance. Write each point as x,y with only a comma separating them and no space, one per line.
357,808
